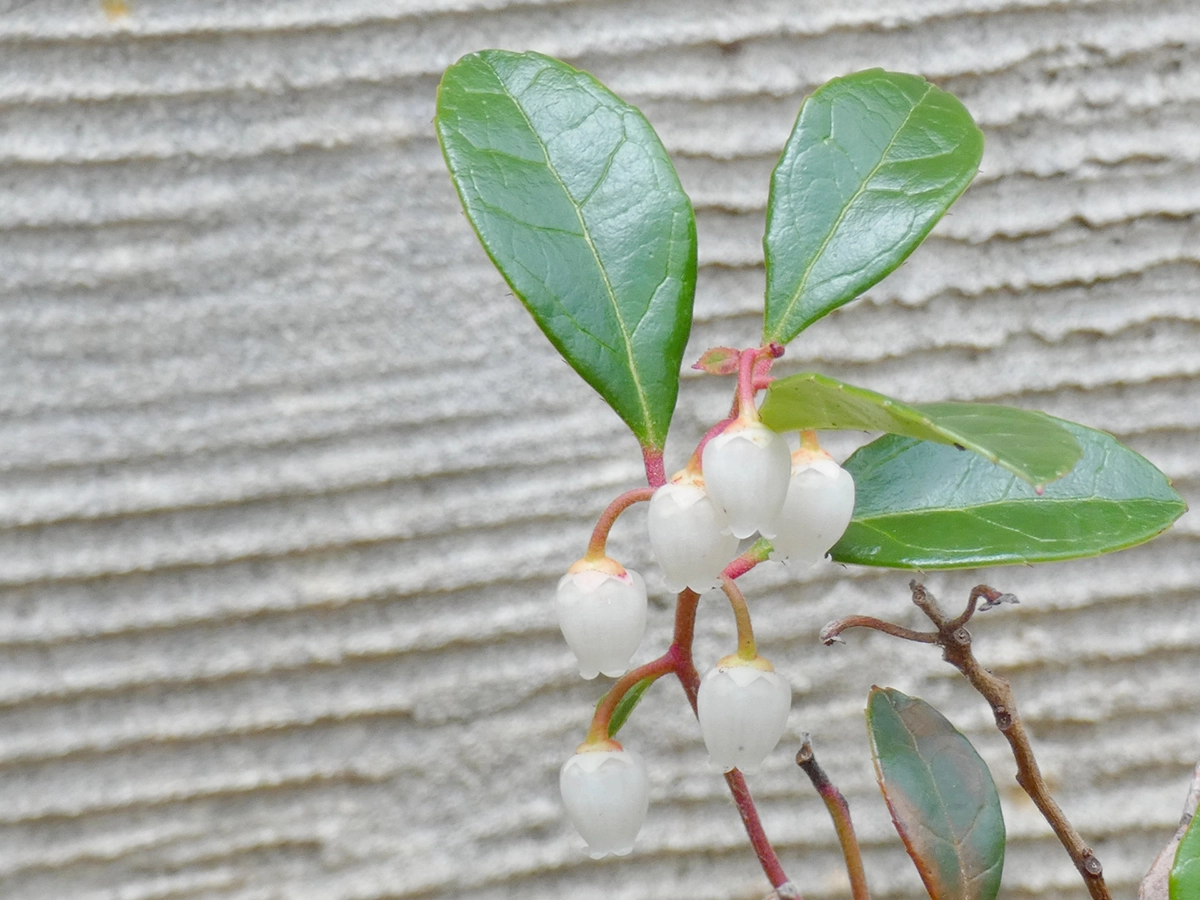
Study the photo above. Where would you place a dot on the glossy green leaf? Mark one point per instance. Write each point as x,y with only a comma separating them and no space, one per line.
941,796
575,200
626,705
922,505
1185,873
873,162
1031,445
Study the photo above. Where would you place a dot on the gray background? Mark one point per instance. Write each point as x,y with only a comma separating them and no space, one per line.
288,477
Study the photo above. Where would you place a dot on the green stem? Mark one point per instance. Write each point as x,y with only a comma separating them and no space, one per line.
745,632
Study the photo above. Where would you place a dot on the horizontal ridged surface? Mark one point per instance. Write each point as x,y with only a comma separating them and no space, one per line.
288,476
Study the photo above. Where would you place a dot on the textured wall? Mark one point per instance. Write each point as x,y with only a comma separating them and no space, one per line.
287,477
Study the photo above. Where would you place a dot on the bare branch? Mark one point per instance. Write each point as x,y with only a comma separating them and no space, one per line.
832,633
955,640
839,811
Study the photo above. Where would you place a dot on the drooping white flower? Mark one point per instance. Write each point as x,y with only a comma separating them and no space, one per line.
818,507
688,535
743,710
606,793
601,609
746,469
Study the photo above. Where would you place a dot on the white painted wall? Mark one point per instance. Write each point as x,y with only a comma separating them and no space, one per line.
288,477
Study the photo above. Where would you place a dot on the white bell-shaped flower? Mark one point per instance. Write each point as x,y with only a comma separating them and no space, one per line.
606,793
601,609
688,535
818,507
743,710
746,469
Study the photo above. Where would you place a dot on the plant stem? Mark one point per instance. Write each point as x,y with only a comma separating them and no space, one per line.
664,665
832,633
839,811
693,463
759,551
656,474
758,837
745,631
685,671
955,641
747,411
596,546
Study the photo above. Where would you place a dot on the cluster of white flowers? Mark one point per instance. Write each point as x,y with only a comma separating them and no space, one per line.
802,502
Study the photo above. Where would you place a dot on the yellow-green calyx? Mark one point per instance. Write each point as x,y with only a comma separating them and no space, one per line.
605,564
604,745
759,662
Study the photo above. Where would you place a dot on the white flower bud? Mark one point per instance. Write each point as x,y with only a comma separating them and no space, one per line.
743,710
688,535
819,505
746,469
606,793
602,613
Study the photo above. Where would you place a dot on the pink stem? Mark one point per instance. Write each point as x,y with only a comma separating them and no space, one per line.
664,665
759,551
746,365
685,671
694,462
656,474
599,539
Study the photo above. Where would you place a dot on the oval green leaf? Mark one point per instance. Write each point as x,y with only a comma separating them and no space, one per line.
1185,873
575,201
941,796
873,162
1031,445
921,505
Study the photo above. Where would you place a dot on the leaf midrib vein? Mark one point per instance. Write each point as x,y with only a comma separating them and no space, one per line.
955,840
795,298
612,296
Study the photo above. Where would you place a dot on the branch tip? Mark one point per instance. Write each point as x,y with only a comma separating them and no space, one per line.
1000,600
805,754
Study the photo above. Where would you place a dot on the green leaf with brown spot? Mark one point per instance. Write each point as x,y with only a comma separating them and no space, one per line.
941,796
